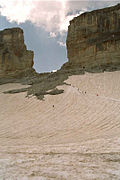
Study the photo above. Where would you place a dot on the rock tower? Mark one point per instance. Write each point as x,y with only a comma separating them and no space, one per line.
14,57
94,39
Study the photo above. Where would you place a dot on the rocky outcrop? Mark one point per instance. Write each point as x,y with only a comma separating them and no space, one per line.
14,57
94,39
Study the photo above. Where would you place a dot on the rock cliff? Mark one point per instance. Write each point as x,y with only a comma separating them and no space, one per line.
14,57
93,39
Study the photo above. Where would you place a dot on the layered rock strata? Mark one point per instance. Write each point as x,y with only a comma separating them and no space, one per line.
14,56
94,39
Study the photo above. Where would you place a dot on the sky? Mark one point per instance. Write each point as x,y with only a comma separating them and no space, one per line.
45,25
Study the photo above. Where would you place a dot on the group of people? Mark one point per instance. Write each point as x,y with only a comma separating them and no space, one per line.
84,92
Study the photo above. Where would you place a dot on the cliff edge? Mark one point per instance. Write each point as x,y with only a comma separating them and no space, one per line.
14,56
93,39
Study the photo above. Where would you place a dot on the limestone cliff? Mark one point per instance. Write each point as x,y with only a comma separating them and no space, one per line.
14,57
94,38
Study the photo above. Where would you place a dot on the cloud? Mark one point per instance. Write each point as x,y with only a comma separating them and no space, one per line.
46,14
52,34
61,43
50,15
16,10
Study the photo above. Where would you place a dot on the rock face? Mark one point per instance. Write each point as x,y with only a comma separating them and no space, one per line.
14,57
94,38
